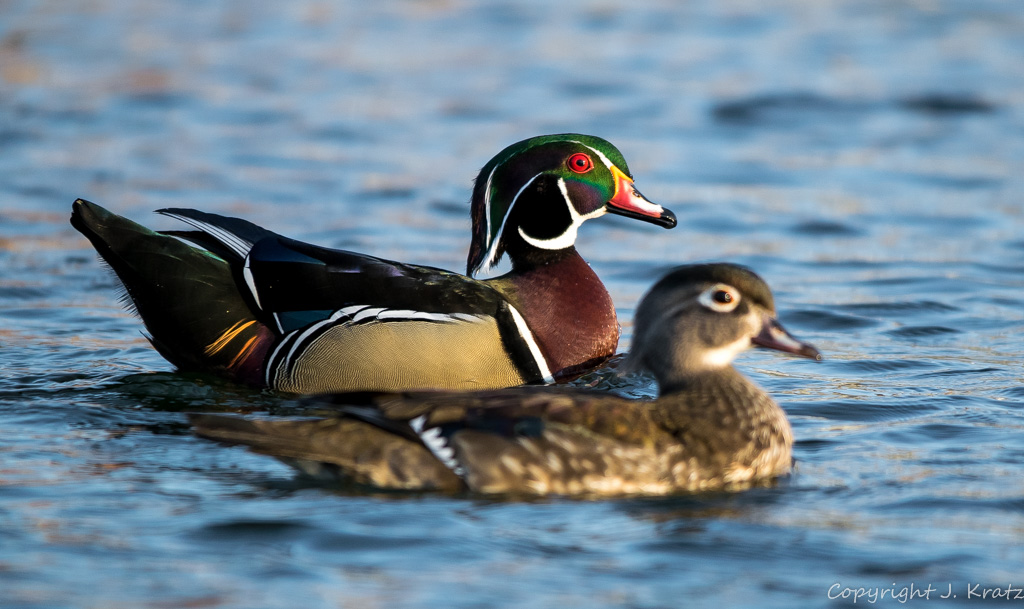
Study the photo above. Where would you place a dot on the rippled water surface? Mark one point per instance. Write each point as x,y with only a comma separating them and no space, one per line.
865,157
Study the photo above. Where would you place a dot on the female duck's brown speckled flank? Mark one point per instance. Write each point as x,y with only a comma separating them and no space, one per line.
236,299
709,428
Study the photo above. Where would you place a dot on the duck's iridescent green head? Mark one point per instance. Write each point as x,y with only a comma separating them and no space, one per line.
537,192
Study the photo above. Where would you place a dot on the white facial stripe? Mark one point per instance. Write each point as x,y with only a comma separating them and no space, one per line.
489,259
568,238
607,162
538,357
487,206
230,240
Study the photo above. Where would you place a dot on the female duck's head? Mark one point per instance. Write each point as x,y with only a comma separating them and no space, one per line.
698,318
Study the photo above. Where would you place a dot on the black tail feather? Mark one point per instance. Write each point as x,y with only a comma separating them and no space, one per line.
186,295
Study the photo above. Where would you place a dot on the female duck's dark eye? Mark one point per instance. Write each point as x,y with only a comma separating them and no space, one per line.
580,163
720,298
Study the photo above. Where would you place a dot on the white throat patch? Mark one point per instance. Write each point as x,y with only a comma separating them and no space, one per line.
568,238
724,355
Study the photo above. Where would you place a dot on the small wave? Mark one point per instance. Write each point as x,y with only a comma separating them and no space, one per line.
758,108
252,530
853,410
825,228
939,103
942,373
886,365
825,320
797,105
921,331
897,307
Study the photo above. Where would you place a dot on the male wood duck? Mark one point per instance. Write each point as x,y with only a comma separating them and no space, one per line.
710,427
237,299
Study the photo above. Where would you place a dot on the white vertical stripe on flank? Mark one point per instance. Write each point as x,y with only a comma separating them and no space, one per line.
524,331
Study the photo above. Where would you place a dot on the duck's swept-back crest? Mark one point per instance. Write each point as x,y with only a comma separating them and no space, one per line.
581,176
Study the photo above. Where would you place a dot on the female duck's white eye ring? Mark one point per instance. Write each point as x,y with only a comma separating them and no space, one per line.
720,298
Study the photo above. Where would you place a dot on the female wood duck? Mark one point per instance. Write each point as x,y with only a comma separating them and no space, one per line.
234,298
710,427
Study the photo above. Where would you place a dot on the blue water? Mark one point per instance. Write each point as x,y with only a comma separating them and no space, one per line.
865,157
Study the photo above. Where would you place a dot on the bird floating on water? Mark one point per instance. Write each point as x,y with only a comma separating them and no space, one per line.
709,428
233,298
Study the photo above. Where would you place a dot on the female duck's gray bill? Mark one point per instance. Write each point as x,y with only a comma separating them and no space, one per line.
774,336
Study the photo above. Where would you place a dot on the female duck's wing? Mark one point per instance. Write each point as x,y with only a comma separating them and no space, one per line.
336,448
523,440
